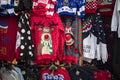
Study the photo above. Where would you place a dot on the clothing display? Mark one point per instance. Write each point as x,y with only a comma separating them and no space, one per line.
71,47
7,7
59,74
11,74
71,7
59,39
48,37
24,42
115,18
91,6
8,32
44,7
94,44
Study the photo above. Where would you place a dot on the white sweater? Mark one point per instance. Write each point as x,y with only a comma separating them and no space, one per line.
115,24
92,50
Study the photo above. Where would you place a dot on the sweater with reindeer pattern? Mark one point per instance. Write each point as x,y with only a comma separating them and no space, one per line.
48,35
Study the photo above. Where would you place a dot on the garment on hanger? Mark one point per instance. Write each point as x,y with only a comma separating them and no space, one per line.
91,6
10,72
25,46
8,31
48,35
71,7
94,43
44,7
6,7
115,24
59,74
106,9
71,53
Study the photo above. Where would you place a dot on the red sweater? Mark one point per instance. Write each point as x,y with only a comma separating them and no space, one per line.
59,74
106,13
7,38
38,23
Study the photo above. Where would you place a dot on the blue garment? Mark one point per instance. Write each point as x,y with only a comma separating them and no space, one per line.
80,8
71,7
3,25
19,73
7,8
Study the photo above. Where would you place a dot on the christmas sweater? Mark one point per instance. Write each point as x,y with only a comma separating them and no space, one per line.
91,6
70,45
48,35
71,7
24,42
106,9
44,7
8,31
94,42
6,7
57,74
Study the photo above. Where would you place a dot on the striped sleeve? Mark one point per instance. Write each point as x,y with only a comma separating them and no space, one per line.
80,37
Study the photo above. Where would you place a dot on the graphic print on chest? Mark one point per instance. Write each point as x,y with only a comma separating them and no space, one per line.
69,36
45,44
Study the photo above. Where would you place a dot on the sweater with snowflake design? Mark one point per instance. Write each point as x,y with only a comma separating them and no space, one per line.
71,7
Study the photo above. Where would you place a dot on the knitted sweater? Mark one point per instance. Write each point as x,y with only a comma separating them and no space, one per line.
115,24
94,43
44,7
91,6
6,7
48,35
71,7
58,74
71,47
8,31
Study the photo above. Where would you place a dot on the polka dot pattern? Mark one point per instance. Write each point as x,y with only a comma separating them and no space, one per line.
22,47
27,47
23,30
28,32
29,38
22,38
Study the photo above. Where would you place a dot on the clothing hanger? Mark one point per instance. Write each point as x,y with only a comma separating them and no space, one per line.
53,67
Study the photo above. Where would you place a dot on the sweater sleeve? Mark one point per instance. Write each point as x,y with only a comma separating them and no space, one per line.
61,40
102,41
115,16
118,10
80,8
118,5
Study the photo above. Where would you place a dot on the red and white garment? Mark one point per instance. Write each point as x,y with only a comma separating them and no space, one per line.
48,35
91,6
106,9
44,7
59,74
